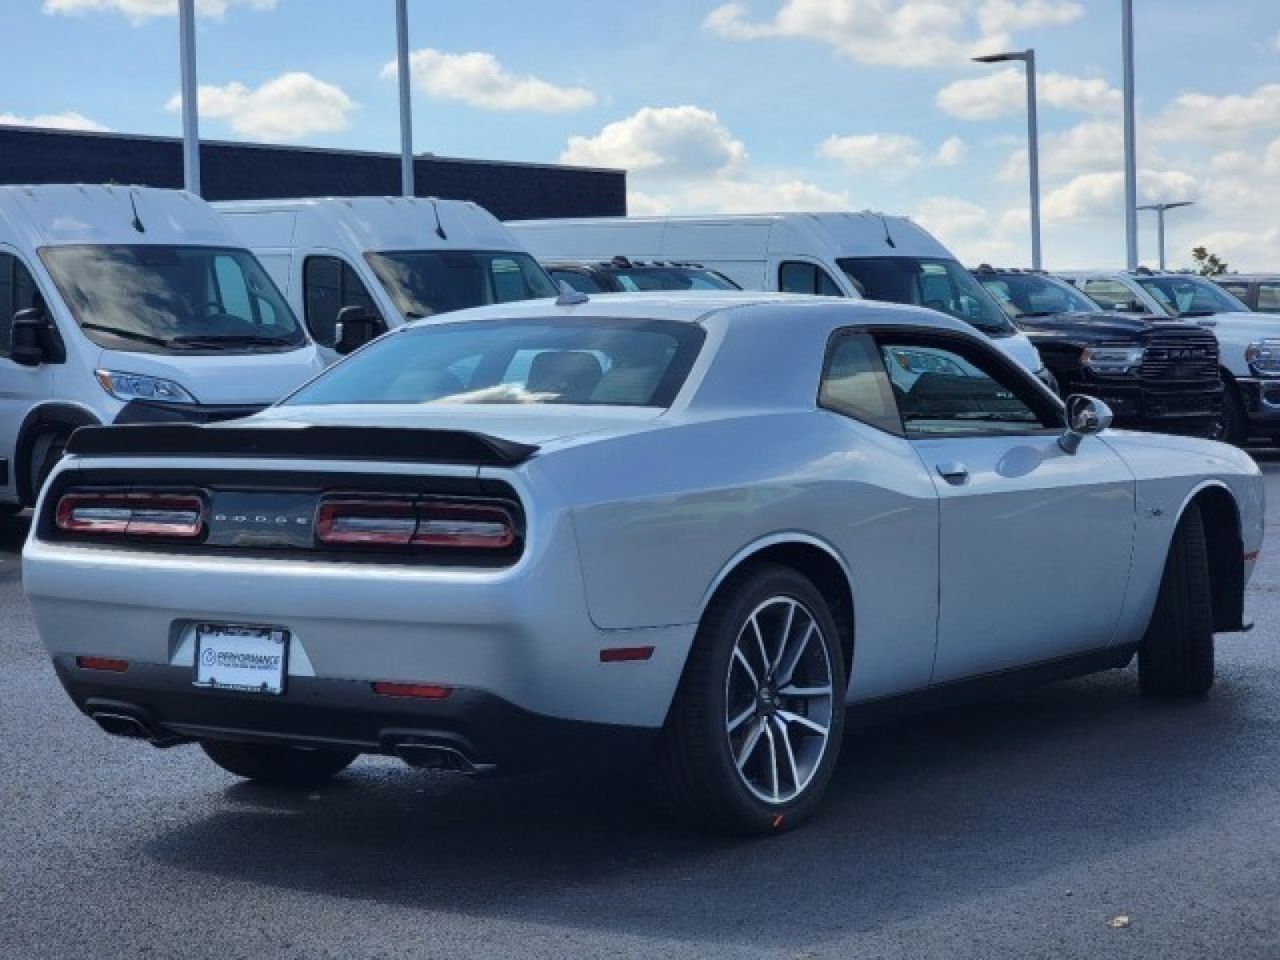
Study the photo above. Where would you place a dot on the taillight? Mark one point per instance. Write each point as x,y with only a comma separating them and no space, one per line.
421,523
133,513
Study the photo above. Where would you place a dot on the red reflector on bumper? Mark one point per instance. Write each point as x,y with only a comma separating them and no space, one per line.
418,691
625,654
1250,556
102,663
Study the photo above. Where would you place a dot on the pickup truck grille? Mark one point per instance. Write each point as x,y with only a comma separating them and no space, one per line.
1181,355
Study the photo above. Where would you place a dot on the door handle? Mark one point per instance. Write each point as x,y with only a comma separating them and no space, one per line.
953,472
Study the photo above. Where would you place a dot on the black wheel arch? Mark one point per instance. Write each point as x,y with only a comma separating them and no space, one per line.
49,417
1221,518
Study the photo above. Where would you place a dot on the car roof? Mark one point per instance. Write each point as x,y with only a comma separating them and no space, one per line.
700,306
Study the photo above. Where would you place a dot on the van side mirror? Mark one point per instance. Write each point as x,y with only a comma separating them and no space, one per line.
1086,417
356,326
27,337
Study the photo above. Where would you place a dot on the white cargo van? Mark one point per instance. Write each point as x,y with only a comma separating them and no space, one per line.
378,261
832,254
127,305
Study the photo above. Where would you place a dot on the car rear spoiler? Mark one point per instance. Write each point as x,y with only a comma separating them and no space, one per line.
399,444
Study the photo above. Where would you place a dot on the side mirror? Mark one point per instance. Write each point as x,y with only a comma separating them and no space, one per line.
27,337
1086,417
356,326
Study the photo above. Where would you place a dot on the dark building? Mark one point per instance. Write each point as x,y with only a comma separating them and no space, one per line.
243,171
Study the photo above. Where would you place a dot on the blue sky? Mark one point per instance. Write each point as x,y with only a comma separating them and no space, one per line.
712,106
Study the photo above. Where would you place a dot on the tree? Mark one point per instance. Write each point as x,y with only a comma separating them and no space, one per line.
1208,264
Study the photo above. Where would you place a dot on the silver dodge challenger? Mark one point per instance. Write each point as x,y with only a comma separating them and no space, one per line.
697,531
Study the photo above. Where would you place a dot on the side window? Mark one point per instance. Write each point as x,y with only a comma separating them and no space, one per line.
797,277
854,383
231,288
582,282
1236,289
1108,293
17,292
328,285
1269,297
944,390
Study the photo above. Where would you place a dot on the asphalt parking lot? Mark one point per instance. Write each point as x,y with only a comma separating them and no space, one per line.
1021,827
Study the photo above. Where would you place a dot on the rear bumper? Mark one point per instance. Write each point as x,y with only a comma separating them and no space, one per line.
1141,407
143,411
486,732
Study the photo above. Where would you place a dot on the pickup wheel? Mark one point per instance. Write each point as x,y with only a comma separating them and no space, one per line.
1175,658
755,728
276,764
1232,427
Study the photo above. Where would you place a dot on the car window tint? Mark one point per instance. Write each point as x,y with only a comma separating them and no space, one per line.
17,292
854,384
797,277
582,282
328,285
942,391
1269,297
1240,289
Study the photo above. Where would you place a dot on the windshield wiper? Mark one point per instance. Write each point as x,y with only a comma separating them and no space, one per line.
127,334
231,341
1197,313
1038,313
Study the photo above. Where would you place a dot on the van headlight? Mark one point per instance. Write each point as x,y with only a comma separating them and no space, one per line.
1111,361
1263,357
135,386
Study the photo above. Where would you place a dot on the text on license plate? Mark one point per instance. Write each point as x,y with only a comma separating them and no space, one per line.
235,657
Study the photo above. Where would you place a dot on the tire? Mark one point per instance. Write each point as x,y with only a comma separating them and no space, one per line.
1233,428
1175,658
9,510
278,765
46,450
706,770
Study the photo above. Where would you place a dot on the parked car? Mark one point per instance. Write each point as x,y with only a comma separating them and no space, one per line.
128,304
1153,372
683,530
829,254
355,267
1248,343
1258,291
621,275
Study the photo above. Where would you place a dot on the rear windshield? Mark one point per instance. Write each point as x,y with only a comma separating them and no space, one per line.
164,299
423,283
592,361
941,285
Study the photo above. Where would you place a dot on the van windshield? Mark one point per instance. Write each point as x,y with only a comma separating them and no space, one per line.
941,285
427,282
168,299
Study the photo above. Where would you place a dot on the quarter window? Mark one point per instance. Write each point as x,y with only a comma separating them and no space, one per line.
1109,293
328,285
943,391
1269,297
797,277
854,384
17,292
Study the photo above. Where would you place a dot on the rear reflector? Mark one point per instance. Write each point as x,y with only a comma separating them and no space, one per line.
1250,556
141,514
389,521
625,654
417,691
102,663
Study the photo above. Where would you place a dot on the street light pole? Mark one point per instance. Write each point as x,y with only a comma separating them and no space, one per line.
1028,57
406,115
1160,209
1130,144
190,95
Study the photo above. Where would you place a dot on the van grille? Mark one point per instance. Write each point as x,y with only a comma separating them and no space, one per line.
1181,355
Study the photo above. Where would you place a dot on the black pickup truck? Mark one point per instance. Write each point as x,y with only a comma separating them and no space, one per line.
1155,373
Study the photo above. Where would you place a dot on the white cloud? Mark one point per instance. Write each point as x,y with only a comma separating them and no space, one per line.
1100,196
1091,146
1201,116
141,10
756,194
479,80
974,233
291,106
891,155
661,142
68,120
1004,92
904,33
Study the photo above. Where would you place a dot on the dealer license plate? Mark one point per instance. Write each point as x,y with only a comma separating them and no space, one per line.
234,657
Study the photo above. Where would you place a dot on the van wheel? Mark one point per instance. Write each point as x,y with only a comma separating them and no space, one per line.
46,450
277,764
755,728
1175,658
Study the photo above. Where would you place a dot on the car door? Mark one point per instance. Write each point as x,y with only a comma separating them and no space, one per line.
1034,543
21,388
